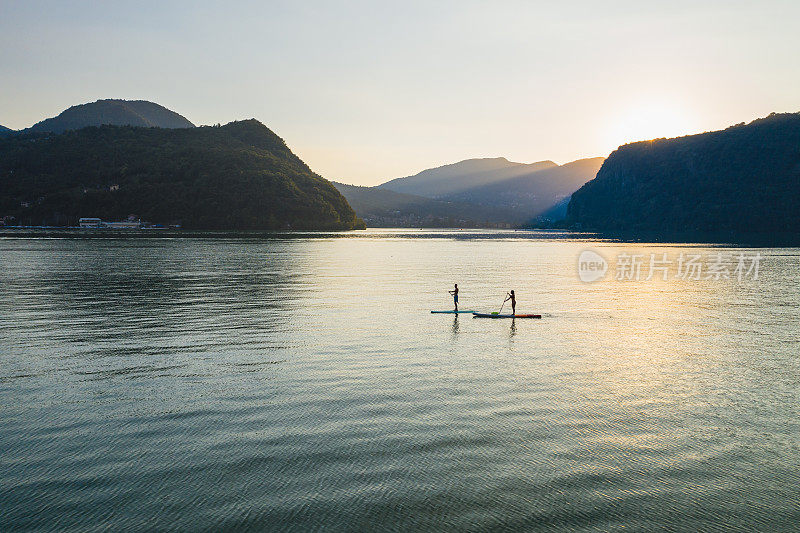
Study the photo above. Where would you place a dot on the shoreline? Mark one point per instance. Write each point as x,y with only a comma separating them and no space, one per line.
749,240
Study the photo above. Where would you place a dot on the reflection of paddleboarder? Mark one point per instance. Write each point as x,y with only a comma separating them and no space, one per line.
510,296
454,292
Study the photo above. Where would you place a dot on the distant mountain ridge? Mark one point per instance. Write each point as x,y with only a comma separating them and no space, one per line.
6,131
531,194
474,192
113,112
456,177
744,179
386,208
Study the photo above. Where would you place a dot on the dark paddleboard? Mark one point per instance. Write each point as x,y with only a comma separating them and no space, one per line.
495,315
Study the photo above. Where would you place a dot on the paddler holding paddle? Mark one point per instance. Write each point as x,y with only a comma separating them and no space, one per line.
510,296
454,292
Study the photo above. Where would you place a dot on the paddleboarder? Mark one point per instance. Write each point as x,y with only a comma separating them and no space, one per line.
454,292
510,296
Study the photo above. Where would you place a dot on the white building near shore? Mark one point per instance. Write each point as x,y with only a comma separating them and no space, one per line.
90,223
96,223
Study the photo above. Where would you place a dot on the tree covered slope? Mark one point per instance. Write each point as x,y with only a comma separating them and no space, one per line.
240,176
745,178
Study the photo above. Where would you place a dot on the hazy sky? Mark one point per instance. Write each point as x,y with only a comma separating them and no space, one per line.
368,91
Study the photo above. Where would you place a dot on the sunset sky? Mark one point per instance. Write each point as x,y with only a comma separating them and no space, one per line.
369,91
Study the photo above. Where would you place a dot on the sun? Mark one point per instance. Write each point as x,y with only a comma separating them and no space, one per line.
649,120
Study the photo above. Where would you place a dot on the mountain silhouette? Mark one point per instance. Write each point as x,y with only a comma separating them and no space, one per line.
477,192
449,179
115,113
745,179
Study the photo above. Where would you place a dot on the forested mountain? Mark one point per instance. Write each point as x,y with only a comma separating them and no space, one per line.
385,208
745,178
486,190
531,194
113,112
240,176
6,131
457,177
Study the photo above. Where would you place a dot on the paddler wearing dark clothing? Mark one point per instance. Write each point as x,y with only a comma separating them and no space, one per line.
454,292
510,296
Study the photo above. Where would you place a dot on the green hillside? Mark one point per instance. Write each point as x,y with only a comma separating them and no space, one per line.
240,176
745,178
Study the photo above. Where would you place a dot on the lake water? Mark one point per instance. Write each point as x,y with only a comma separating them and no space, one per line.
301,384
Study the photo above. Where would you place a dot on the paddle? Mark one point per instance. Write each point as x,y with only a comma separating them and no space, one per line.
501,308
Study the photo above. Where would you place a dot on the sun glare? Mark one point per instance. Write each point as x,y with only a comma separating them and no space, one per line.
649,121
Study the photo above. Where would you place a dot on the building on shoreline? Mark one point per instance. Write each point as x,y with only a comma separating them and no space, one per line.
89,222
96,223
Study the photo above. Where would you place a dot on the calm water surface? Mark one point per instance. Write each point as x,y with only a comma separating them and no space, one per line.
302,384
